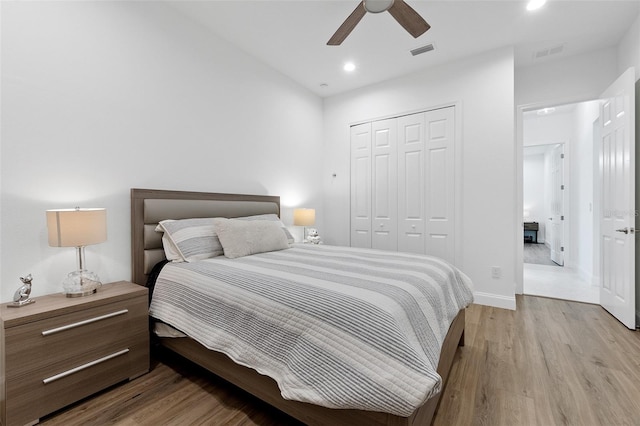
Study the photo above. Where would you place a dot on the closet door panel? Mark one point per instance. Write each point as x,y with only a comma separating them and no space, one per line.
402,184
411,183
440,197
384,194
361,185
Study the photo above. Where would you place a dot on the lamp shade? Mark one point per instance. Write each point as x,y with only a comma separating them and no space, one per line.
304,217
76,227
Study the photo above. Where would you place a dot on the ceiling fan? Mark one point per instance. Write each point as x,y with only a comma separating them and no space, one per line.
401,11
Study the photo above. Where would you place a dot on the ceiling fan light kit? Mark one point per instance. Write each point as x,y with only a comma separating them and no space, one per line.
377,6
401,12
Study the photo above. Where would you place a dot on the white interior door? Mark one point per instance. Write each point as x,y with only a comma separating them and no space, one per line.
361,185
617,217
411,184
384,194
556,220
440,175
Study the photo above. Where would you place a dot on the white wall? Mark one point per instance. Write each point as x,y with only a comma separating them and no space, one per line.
584,178
534,191
575,78
629,50
100,97
483,88
548,196
547,129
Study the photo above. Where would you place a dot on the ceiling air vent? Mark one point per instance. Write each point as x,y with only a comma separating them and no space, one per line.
543,53
423,49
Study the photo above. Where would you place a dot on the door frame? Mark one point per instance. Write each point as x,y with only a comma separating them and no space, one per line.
566,179
519,158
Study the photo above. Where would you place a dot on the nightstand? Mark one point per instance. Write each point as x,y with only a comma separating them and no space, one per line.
59,350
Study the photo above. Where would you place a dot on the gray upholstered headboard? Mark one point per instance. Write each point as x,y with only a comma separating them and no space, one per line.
150,206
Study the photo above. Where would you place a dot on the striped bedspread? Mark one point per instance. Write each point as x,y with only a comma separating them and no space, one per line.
333,326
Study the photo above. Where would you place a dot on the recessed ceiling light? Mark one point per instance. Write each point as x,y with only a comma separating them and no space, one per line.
535,4
349,67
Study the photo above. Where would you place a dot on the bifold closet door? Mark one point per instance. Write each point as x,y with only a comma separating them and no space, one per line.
384,191
411,183
402,183
440,178
361,185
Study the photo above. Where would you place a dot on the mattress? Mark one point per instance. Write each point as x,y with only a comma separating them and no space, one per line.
338,327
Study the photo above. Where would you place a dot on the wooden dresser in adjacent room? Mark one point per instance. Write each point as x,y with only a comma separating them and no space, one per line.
59,350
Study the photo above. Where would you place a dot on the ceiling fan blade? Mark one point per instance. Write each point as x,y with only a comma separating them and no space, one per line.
348,25
408,18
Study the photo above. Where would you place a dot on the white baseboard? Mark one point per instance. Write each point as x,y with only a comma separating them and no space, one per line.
495,300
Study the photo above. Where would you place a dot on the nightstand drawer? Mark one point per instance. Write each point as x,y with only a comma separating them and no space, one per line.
57,343
31,395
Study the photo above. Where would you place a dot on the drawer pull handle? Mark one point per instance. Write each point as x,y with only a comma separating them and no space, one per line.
85,322
84,366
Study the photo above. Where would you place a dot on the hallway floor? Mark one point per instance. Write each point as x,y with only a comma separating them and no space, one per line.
559,283
538,253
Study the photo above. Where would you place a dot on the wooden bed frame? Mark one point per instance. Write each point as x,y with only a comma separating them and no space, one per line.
148,207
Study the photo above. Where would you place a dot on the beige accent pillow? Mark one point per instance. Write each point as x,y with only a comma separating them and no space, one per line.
242,238
273,218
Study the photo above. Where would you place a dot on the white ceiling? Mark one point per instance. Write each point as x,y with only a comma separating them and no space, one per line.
291,35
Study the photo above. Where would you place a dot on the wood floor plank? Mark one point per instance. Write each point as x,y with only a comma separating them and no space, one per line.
550,362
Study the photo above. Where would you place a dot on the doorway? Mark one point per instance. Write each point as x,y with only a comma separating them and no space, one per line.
543,204
559,176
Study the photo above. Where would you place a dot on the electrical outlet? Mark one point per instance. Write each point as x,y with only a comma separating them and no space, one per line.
496,272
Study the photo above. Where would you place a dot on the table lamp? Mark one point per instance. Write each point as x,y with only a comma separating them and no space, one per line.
78,228
304,217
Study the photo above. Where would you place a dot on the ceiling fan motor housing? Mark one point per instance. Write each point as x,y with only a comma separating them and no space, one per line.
408,18
377,6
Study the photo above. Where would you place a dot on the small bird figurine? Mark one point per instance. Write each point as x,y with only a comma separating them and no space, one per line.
21,296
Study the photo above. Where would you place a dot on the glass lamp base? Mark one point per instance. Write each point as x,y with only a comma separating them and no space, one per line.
80,283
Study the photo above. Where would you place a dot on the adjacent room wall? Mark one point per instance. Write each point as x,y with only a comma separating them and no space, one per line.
482,87
100,97
573,79
629,50
534,191
584,178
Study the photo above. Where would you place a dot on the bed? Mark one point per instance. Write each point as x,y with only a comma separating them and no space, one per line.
149,207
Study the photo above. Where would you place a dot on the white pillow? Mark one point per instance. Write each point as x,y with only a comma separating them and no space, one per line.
193,239
274,218
244,237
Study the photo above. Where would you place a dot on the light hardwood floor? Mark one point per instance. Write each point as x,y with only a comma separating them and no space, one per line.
550,362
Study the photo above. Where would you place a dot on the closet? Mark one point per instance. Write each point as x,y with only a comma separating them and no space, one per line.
402,183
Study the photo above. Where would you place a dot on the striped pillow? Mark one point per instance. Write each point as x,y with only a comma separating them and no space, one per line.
194,239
